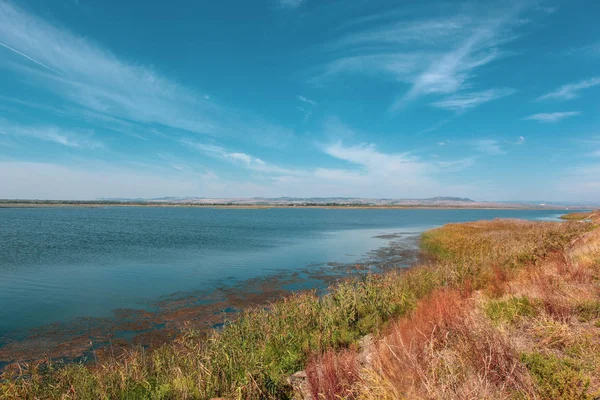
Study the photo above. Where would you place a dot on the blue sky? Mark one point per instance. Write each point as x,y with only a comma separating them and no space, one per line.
411,99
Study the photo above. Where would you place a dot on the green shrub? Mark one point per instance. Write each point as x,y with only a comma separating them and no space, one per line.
557,378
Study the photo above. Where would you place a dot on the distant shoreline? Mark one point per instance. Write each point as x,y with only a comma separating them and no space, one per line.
286,206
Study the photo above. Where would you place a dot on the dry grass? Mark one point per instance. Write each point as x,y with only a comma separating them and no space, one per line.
531,332
446,350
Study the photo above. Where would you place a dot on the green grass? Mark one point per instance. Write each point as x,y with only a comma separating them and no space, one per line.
557,378
252,356
510,310
588,310
578,216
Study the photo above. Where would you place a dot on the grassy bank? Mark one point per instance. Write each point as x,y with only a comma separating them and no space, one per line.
416,315
524,325
577,216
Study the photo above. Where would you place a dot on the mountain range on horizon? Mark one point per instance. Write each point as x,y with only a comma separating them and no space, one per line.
290,200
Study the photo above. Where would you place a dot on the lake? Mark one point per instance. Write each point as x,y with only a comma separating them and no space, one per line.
60,264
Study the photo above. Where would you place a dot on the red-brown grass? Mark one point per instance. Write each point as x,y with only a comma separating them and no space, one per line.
445,350
498,281
331,376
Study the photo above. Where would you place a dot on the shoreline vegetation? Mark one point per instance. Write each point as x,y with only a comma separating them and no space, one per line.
577,216
502,309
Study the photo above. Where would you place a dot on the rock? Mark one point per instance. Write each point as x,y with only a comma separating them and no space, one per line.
299,381
365,350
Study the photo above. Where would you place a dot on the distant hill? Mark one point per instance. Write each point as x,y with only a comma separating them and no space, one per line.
298,200
462,199
430,202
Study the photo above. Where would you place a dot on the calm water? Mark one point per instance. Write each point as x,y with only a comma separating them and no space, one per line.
60,263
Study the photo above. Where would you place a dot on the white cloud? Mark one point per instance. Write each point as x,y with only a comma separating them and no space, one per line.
375,162
95,81
400,66
368,170
571,91
433,56
520,140
461,102
246,160
552,117
449,73
306,100
435,126
307,107
68,138
34,180
426,32
457,165
27,57
488,146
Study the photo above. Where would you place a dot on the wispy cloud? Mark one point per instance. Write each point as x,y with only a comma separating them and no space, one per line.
93,78
520,140
461,102
364,169
307,107
457,165
245,160
306,100
434,126
450,72
27,57
570,91
422,31
488,146
90,77
592,49
433,56
552,117
67,138
367,156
